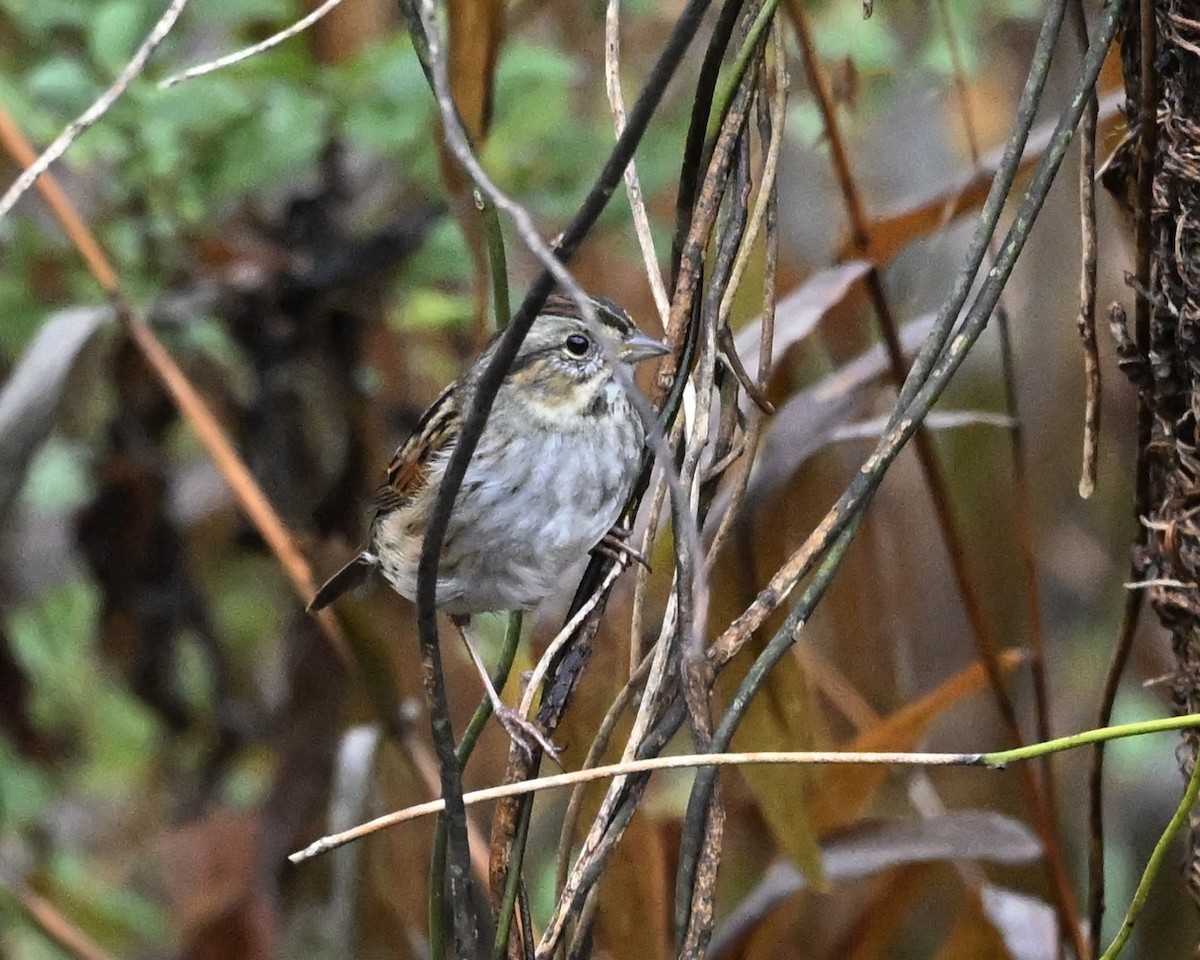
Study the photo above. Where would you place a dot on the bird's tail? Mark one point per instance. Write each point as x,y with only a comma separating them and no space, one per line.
350,576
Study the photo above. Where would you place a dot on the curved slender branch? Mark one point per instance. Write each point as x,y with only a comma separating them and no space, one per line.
252,51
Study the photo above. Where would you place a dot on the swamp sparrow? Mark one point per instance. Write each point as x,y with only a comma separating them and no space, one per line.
546,484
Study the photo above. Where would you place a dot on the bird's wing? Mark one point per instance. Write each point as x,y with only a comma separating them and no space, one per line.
409,466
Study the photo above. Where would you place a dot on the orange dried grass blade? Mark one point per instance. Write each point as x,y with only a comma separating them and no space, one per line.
841,794
54,924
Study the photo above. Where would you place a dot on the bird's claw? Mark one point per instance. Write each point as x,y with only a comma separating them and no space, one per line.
615,545
525,733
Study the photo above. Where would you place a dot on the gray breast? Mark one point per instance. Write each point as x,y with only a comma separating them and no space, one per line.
534,501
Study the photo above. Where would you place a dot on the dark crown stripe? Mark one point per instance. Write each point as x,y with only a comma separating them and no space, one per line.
607,312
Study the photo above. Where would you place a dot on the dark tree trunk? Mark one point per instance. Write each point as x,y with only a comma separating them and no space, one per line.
1169,335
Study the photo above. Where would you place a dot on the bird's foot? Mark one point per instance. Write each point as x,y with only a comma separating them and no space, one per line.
616,546
525,733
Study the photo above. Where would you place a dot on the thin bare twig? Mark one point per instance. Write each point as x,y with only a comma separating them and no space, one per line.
994,760
599,744
633,186
709,826
1131,613
936,366
725,157
642,574
60,205
1087,282
968,588
927,456
247,52
693,147
931,468
534,683
1147,138
631,767
97,110
599,840
774,118
609,824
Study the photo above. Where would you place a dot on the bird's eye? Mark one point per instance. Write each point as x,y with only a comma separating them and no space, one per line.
577,344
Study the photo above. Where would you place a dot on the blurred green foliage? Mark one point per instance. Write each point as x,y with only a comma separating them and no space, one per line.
166,167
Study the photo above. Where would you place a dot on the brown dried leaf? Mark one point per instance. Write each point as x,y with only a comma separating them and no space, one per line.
208,870
635,911
476,32
963,835
780,720
879,923
843,792
798,313
892,232
973,936
811,418
790,923
870,847
349,27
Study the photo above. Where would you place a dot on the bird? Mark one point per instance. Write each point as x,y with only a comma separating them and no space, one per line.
546,484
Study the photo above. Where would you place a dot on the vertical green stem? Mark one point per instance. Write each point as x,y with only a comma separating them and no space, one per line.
1182,813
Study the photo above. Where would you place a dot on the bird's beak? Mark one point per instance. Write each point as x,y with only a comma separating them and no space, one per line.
641,347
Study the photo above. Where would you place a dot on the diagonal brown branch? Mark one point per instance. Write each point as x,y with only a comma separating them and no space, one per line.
191,405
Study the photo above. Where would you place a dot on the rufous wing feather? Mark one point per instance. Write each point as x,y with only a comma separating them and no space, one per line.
409,467
406,475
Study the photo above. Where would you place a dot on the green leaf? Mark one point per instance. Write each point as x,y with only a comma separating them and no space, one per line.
58,478
232,17
61,84
435,310
844,33
25,790
50,638
109,912
442,259
115,32
280,142
40,18
200,107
